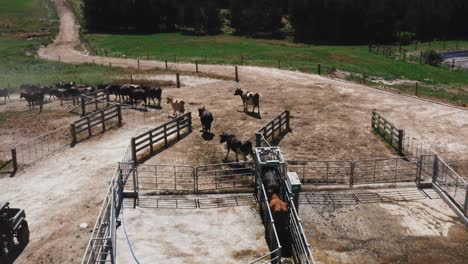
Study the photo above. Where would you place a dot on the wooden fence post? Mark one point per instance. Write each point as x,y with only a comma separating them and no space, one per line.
14,159
280,132
73,135
138,62
103,118
196,66
190,122
178,128
107,99
60,60
258,139
133,148
236,74
435,171
416,90
178,80
110,64
131,78
453,64
466,201
165,61
400,141
420,57
288,117
90,132
318,69
351,175
151,142
83,105
165,134
119,115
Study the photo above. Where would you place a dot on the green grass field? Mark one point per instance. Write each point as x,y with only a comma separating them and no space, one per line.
25,26
229,49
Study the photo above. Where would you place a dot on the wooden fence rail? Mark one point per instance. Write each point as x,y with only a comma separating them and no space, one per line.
147,144
388,131
280,124
102,118
93,102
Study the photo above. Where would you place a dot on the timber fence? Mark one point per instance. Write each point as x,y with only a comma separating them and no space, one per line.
149,143
274,130
93,102
99,121
388,131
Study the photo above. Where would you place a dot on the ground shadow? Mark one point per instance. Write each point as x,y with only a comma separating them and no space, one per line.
207,136
158,107
252,114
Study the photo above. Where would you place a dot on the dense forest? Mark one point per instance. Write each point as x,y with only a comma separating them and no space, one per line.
310,21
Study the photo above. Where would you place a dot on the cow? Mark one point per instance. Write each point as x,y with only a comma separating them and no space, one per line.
178,105
249,98
280,212
33,98
138,95
234,144
4,93
206,118
154,93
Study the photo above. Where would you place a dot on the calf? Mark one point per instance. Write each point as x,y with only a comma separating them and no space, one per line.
234,144
249,98
4,93
178,105
206,118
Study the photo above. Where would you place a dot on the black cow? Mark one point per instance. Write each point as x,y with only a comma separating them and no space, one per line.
4,93
33,99
138,95
234,144
153,93
206,118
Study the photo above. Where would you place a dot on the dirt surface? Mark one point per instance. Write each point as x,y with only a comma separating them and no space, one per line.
401,225
232,234
330,120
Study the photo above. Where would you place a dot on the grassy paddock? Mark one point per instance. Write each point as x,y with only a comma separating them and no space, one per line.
229,49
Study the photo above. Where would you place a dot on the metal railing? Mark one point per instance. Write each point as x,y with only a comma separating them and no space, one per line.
165,177
225,176
322,172
38,147
452,184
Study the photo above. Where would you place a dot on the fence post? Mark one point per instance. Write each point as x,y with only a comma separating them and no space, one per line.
131,78
288,116
258,139
165,134
134,156
400,141
435,171
110,64
138,62
107,98
83,105
196,66
119,115
14,159
96,103
318,69
420,57
178,128
103,121
279,64
178,80
165,61
280,132
416,91
420,168
151,142
351,176
236,74
90,133
466,201
190,122
453,64
73,135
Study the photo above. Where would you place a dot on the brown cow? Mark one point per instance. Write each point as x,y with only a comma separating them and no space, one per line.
280,213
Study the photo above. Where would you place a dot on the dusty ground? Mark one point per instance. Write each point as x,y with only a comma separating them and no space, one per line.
227,234
330,120
403,225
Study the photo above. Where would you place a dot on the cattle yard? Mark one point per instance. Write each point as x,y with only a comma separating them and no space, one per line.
174,198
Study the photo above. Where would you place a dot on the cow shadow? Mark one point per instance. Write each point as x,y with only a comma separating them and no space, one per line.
252,114
207,136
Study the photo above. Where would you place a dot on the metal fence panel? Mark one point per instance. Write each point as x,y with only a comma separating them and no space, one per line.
166,177
322,172
225,176
451,183
391,170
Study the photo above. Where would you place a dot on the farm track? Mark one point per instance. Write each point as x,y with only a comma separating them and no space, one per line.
330,120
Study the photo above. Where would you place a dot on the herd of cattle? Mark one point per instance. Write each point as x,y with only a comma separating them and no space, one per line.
35,95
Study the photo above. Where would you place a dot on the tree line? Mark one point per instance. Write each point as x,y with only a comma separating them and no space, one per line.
309,21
